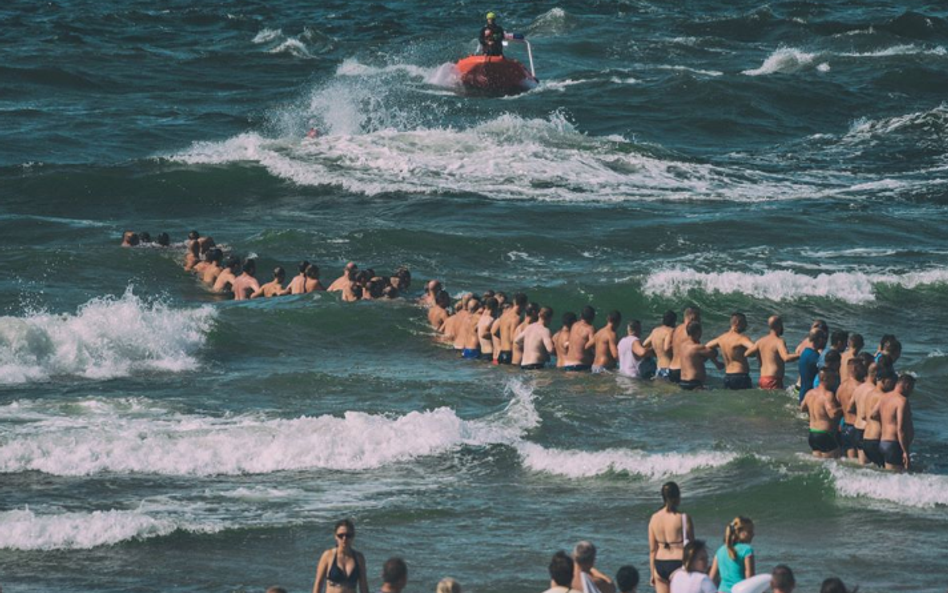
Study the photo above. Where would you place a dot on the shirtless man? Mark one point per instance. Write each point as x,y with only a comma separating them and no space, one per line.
130,239
228,275
432,288
531,315
192,257
213,268
607,344
845,395
856,344
312,283
340,283
503,308
298,283
734,346
867,396
635,360
484,324
506,327
581,343
676,339
693,355
771,351
246,284
438,314
457,323
536,342
585,572
472,342
820,403
656,341
561,339
274,287
898,431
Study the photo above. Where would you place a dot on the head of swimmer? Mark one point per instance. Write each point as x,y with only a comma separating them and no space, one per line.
739,322
250,266
775,323
546,314
584,555
635,328
905,384
692,313
670,319
344,532
693,329
818,338
829,378
130,239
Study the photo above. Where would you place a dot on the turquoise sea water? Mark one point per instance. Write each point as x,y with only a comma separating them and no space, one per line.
783,157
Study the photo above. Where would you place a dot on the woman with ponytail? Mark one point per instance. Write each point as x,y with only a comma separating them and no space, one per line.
669,531
734,561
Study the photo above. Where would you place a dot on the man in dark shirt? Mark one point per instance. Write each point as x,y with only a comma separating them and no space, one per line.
492,37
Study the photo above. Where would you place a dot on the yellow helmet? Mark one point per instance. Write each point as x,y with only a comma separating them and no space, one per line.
491,16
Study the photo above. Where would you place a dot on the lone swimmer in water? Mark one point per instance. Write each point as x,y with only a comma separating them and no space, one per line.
492,37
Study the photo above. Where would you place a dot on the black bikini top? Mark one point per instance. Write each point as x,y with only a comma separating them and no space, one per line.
338,576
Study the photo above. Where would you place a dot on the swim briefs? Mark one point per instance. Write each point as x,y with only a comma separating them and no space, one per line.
532,367
577,368
505,357
674,375
822,441
691,385
665,568
770,383
737,381
891,453
871,448
847,437
662,373
471,353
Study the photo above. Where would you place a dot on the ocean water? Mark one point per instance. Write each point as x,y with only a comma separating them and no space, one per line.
788,157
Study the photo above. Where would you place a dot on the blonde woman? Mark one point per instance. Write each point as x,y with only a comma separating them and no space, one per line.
448,585
669,531
734,561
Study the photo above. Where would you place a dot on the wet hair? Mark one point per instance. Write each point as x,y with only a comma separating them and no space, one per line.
859,368
390,292
375,288
561,569
250,266
829,378
279,273
739,320
163,239
884,368
490,303
906,381
832,359
145,237
533,311
856,341
214,255
670,318
839,338
614,317
233,262
569,318
817,338
312,271
394,571
691,552
670,492
546,313
835,585
584,553
302,266
357,291
363,278
627,579
866,358
448,585
130,237
488,294
347,523
782,578
692,313
693,329
894,348
588,314
520,300
732,532
443,299
194,236
635,326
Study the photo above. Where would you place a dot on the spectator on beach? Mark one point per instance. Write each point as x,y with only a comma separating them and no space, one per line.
341,569
448,585
394,575
561,573
782,580
586,577
734,561
669,531
693,577
627,579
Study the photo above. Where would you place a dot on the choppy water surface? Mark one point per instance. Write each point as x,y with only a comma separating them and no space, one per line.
783,157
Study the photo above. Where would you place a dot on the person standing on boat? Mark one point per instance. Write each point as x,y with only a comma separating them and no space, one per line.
492,37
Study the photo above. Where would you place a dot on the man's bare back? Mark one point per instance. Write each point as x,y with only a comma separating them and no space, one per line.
656,341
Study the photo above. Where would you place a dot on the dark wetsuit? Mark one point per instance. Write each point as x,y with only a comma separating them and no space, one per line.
491,38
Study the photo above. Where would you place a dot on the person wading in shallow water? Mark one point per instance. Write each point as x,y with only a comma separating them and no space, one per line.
342,568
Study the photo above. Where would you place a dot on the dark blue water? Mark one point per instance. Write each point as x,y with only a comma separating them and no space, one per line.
784,157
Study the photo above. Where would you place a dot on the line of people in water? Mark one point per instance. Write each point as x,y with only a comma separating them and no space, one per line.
858,406
678,562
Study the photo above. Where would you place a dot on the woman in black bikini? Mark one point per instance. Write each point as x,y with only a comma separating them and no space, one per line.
669,531
341,568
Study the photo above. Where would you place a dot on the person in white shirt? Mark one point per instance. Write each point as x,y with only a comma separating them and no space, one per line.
635,360
693,577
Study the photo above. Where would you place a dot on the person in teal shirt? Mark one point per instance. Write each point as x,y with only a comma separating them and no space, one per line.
734,561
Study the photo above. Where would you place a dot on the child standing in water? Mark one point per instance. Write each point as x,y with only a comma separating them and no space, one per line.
734,561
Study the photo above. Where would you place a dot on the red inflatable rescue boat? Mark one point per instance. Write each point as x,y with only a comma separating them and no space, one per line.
498,75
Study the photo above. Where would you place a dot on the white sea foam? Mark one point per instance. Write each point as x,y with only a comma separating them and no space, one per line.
784,59
107,337
782,285
353,67
266,35
507,157
26,530
691,70
584,464
182,444
555,21
292,46
914,490
933,121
